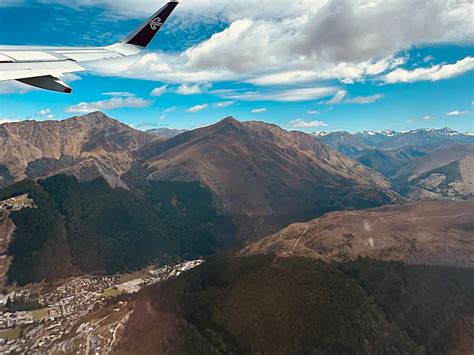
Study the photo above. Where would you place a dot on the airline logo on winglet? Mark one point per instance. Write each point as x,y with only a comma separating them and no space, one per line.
156,23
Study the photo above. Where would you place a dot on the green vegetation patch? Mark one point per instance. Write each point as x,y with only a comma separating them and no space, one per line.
112,292
40,313
10,334
6,177
92,228
294,305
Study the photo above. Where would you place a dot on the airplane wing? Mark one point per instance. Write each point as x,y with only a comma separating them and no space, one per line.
41,66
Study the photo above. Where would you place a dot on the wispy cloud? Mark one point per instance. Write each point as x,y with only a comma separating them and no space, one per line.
223,104
300,123
338,98
426,118
171,109
197,108
434,73
364,99
341,97
259,110
113,103
457,113
288,95
313,112
44,112
119,94
159,91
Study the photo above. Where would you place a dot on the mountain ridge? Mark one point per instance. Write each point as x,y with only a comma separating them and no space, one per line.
260,170
36,148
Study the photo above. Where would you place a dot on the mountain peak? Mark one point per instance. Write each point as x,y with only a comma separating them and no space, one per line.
94,118
229,120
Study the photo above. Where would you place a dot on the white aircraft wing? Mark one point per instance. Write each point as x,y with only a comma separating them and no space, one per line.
41,66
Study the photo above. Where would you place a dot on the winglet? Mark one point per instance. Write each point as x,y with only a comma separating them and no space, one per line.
143,35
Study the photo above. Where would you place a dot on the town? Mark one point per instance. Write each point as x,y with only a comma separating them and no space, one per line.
61,311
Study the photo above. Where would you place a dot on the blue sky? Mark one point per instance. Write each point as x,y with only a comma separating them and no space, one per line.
310,69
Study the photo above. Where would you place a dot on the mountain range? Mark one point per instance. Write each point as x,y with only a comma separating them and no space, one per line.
330,243
183,196
263,174
388,140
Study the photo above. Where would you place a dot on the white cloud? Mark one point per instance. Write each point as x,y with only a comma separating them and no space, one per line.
113,103
7,3
162,117
119,94
457,113
338,98
191,89
364,99
313,112
300,123
426,118
15,87
200,11
50,117
197,108
159,91
343,39
223,104
288,95
434,73
44,112
259,110
171,109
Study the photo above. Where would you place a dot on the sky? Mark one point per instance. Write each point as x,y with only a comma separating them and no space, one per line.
310,65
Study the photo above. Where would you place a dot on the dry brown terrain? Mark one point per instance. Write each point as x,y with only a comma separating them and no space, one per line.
435,232
86,146
261,172
436,159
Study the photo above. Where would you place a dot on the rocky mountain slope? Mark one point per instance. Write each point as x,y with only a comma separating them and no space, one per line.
87,147
437,233
444,173
261,172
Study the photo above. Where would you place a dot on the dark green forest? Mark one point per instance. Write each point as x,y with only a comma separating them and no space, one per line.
261,304
92,228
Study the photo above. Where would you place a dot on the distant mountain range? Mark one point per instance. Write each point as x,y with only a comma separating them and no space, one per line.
353,144
423,163
165,132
